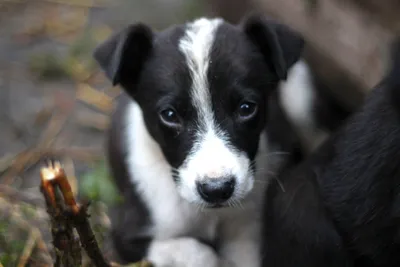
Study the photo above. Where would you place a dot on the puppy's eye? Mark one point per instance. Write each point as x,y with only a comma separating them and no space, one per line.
247,110
170,118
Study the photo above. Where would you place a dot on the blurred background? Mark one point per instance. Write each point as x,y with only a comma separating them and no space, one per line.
54,101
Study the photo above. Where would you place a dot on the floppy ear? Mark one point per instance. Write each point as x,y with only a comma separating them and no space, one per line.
280,45
122,55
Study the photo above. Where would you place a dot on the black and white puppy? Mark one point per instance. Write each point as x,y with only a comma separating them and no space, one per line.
187,144
341,207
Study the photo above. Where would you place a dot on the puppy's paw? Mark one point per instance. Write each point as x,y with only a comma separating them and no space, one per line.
182,252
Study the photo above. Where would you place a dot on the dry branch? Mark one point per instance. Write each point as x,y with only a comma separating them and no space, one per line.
17,196
66,245
65,212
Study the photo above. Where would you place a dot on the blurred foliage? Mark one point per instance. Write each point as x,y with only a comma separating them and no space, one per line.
21,240
77,64
47,66
97,185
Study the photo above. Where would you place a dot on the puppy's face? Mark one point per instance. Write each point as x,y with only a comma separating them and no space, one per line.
203,88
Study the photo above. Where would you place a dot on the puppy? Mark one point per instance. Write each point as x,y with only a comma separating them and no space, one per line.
341,207
188,137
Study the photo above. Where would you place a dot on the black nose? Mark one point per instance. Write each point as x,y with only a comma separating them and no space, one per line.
216,190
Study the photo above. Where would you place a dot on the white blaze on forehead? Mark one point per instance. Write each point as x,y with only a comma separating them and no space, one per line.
196,46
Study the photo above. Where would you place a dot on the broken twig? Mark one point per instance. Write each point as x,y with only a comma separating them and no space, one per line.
69,214
66,246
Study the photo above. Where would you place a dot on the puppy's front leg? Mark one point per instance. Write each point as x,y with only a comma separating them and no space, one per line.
182,252
240,244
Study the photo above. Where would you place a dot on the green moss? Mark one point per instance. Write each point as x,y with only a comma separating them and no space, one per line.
97,185
8,259
47,66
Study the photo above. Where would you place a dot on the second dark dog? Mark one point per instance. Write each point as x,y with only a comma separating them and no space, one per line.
341,207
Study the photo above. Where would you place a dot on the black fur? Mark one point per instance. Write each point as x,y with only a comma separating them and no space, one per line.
341,207
329,113
279,44
282,135
134,43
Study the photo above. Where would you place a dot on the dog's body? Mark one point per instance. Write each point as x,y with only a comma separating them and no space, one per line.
341,207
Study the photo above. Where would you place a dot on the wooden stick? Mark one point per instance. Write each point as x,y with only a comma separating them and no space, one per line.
69,215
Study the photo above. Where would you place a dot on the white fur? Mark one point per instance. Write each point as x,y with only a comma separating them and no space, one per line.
211,157
297,95
182,252
172,217
195,46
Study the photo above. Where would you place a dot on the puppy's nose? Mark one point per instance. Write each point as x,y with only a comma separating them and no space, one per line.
216,190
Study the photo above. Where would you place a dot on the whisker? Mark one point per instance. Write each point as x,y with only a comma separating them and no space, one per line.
231,203
280,184
239,204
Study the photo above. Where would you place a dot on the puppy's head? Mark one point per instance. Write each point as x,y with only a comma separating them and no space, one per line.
203,87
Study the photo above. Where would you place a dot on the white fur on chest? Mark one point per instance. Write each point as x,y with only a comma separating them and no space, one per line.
171,215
